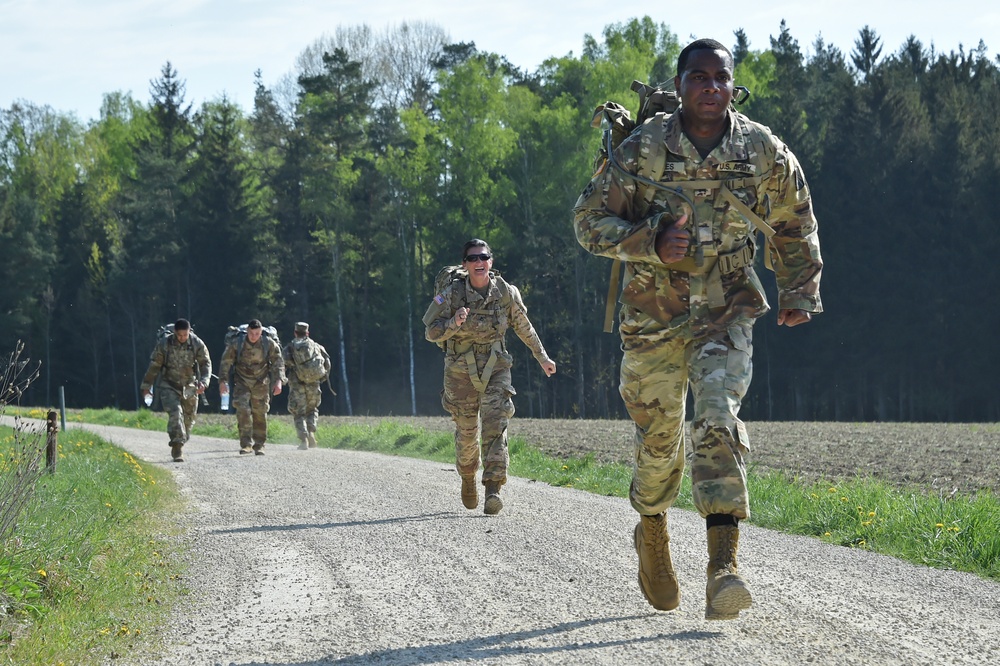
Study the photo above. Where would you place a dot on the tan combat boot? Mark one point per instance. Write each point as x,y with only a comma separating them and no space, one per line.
470,496
303,442
311,436
657,579
726,594
175,453
493,502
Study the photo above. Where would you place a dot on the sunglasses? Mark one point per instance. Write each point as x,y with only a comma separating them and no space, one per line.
470,258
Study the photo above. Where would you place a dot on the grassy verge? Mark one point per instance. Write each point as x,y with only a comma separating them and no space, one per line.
88,570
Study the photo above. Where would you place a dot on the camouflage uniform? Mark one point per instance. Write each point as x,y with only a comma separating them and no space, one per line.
183,366
478,392
258,369
304,398
690,323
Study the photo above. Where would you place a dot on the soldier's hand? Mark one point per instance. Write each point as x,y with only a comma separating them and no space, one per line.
793,317
223,388
145,392
199,387
460,316
549,367
277,388
672,243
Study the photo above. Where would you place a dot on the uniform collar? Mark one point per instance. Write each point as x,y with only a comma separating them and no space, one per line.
731,148
474,295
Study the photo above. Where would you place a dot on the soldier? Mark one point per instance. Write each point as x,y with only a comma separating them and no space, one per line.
307,364
182,362
469,318
259,373
690,302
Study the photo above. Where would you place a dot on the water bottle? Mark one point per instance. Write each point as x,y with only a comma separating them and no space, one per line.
149,398
224,404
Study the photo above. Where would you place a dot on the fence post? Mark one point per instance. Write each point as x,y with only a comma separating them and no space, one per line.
51,442
62,407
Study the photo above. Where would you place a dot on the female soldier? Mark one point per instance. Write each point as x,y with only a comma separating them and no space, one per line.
468,318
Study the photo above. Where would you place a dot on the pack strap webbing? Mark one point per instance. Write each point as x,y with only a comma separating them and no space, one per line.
609,309
481,381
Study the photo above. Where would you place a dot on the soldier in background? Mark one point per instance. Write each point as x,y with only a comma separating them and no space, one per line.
690,302
307,365
258,373
469,318
184,367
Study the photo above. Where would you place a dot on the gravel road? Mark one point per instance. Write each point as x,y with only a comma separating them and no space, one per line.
338,557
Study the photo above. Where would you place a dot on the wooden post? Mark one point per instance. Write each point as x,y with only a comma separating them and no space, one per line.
51,442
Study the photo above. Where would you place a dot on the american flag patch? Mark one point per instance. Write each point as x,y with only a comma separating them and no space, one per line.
439,299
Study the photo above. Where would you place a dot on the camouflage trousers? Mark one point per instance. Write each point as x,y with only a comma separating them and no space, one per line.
657,369
303,404
252,404
180,411
480,417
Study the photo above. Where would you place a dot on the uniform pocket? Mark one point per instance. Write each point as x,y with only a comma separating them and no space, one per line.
739,368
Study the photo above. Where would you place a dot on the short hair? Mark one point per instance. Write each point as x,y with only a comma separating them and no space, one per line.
475,242
255,324
182,325
701,45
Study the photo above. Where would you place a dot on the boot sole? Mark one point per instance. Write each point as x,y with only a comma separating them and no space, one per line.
658,605
493,505
729,601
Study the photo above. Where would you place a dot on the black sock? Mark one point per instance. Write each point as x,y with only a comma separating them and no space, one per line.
720,519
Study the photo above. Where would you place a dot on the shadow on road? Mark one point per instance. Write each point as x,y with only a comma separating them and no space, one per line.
352,523
498,646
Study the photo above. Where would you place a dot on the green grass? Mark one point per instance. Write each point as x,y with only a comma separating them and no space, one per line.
118,543
89,569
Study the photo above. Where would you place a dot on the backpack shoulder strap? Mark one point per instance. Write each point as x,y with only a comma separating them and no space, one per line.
504,287
652,158
651,164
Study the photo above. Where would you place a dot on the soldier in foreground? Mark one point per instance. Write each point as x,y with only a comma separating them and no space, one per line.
469,319
307,364
258,373
690,301
184,367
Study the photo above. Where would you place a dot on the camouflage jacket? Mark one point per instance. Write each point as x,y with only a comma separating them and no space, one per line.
618,217
480,328
258,362
182,364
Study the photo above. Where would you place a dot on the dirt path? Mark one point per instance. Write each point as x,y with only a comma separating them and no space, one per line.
337,557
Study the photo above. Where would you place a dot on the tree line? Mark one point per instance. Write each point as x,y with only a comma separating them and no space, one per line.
340,195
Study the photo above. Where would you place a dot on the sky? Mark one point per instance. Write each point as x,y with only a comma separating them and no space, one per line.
68,53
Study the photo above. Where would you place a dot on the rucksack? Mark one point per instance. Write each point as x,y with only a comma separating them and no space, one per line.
655,104
310,366
238,334
450,274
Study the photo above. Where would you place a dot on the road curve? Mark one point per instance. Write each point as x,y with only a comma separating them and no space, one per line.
339,557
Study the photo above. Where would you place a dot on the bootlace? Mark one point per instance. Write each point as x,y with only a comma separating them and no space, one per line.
659,544
724,555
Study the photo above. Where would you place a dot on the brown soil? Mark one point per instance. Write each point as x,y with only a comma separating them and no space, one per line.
942,457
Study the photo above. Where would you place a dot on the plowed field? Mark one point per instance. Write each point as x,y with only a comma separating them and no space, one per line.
937,456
